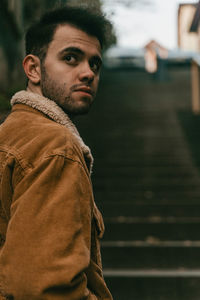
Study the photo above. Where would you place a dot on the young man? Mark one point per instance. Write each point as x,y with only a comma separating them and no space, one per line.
49,223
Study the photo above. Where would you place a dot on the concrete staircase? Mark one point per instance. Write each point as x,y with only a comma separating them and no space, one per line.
145,141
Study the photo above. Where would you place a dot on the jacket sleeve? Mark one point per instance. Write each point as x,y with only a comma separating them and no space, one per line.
47,250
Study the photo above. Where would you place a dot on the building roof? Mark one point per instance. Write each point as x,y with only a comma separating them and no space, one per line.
196,19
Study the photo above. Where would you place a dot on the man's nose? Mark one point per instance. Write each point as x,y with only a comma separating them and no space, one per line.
86,74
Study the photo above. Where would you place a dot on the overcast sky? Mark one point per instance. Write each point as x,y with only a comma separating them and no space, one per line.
137,25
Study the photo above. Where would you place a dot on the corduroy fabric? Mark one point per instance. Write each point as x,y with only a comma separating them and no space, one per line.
50,108
49,224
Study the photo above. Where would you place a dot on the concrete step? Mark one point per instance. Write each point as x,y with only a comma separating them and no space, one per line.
163,169
153,228
142,162
137,182
151,183
146,175
146,195
113,209
139,152
146,255
153,284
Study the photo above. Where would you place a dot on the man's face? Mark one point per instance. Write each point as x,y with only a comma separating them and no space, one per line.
70,71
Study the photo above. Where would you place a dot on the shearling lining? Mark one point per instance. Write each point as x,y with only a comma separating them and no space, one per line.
53,111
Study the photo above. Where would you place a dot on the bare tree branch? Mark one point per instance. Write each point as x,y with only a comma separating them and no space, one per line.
127,3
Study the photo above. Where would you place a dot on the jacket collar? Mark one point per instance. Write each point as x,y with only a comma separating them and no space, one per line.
54,112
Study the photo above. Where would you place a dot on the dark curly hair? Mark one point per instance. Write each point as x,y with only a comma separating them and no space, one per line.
40,34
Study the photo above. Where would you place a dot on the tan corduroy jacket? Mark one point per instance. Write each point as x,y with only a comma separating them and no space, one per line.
49,224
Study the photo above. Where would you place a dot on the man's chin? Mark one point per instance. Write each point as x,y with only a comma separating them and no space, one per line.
79,110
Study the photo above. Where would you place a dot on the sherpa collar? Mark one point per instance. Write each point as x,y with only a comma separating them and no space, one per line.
53,111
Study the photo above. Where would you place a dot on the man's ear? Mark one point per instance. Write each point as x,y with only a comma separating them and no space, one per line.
32,68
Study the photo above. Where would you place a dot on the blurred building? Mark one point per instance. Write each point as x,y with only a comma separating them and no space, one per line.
187,40
195,70
195,26
153,52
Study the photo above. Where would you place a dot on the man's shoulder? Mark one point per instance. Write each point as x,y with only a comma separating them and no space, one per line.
31,123
35,135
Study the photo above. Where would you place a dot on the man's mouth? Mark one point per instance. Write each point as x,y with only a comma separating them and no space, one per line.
84,89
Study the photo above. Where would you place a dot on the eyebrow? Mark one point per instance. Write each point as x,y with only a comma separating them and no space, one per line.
80,52
72,49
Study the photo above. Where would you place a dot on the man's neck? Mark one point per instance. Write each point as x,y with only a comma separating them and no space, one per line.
34,89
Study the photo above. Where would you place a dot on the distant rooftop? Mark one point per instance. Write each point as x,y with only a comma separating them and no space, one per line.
195,22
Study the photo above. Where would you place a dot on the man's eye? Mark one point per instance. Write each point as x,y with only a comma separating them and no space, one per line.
95,66
70,58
